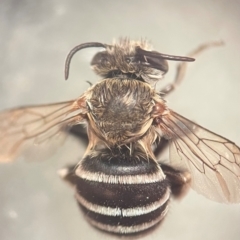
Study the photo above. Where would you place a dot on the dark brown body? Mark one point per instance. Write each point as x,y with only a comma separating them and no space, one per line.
120,186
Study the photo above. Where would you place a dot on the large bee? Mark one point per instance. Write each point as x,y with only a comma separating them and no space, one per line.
120,184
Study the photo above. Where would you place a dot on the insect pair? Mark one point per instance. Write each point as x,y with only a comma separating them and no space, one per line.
121,185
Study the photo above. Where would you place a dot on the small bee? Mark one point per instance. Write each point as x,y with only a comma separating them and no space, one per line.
120,184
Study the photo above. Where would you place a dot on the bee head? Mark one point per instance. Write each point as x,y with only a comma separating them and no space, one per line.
125,58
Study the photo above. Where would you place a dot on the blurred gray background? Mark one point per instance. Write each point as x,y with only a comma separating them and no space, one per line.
35,37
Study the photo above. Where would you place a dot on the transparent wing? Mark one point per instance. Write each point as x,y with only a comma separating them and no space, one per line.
214,161
28,130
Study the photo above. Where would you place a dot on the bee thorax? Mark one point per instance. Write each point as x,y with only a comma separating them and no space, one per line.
120,109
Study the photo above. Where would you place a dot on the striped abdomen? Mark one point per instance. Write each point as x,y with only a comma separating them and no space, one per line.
121,194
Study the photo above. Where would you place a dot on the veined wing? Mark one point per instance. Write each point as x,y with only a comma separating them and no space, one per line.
214,161
28,129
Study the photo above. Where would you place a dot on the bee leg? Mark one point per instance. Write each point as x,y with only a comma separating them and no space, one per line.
182,67
68,175
80,132
179,180
161,146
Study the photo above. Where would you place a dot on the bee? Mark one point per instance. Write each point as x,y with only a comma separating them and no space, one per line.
120,184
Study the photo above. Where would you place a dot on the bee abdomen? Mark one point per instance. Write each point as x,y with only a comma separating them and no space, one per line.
122,196
126,224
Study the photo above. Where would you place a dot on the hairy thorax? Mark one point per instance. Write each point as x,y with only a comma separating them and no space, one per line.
120,110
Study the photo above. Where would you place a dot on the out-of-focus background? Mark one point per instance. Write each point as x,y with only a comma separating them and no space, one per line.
35,37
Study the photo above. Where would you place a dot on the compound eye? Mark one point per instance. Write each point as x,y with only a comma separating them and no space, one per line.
104,60
100,58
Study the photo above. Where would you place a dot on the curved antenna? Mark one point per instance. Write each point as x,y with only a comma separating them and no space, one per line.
164,56
76,49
